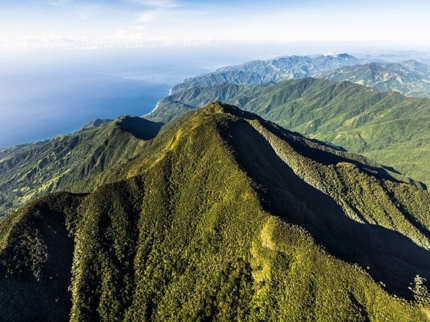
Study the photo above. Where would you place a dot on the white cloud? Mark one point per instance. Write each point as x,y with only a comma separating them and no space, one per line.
140,23
59,2
80,15
141,28
124,35
148,16
157,3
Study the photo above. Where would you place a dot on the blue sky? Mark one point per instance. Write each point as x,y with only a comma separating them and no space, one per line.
97,24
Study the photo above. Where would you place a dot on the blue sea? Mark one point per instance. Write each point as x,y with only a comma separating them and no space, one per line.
43,95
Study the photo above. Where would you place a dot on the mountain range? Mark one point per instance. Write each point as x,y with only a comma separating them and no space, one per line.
254,208
225,217
272,70
386,126
409,78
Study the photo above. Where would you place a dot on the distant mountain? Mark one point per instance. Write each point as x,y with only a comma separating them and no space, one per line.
386,126
95,123
409,78
229,218
273,70
32,170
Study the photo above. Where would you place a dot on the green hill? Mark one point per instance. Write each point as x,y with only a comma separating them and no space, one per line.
388,127
229,217
32,170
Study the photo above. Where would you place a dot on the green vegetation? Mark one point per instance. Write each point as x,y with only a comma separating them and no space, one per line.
390,128
32,170
225,217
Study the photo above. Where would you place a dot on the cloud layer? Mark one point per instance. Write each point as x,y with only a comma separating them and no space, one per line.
96,24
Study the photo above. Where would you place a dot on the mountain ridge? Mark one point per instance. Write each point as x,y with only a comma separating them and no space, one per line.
272,70
409,78
226,221
29,171
357,118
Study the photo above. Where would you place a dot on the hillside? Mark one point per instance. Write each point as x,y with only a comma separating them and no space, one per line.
390,128
228,218
409,78
32,170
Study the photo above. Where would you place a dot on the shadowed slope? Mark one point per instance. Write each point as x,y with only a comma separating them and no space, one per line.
390,257
36,258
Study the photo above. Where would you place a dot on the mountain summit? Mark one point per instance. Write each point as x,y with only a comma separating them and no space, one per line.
385,126
229,217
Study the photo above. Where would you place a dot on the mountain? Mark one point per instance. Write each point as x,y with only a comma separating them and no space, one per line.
409,78
272,70
95,123
230,217
32,170
386,126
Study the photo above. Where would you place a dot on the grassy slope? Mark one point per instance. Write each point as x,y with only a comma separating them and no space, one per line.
33,170
388,127
192,235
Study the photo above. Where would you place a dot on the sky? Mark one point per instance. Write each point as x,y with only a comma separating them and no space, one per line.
104,24
66,62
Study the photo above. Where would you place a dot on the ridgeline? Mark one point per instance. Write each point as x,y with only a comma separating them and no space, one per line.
224,216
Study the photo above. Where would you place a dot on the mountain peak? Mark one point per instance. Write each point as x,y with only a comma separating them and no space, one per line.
224,108
345,56
280,220
95,123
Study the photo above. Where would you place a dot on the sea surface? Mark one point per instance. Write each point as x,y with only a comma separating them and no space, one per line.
44,95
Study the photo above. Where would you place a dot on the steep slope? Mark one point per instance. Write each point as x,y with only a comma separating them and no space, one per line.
32,170
272,70
409,78
388,127
230,218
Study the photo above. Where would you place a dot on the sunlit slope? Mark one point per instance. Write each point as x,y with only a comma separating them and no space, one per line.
229,218
32,170
390,128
